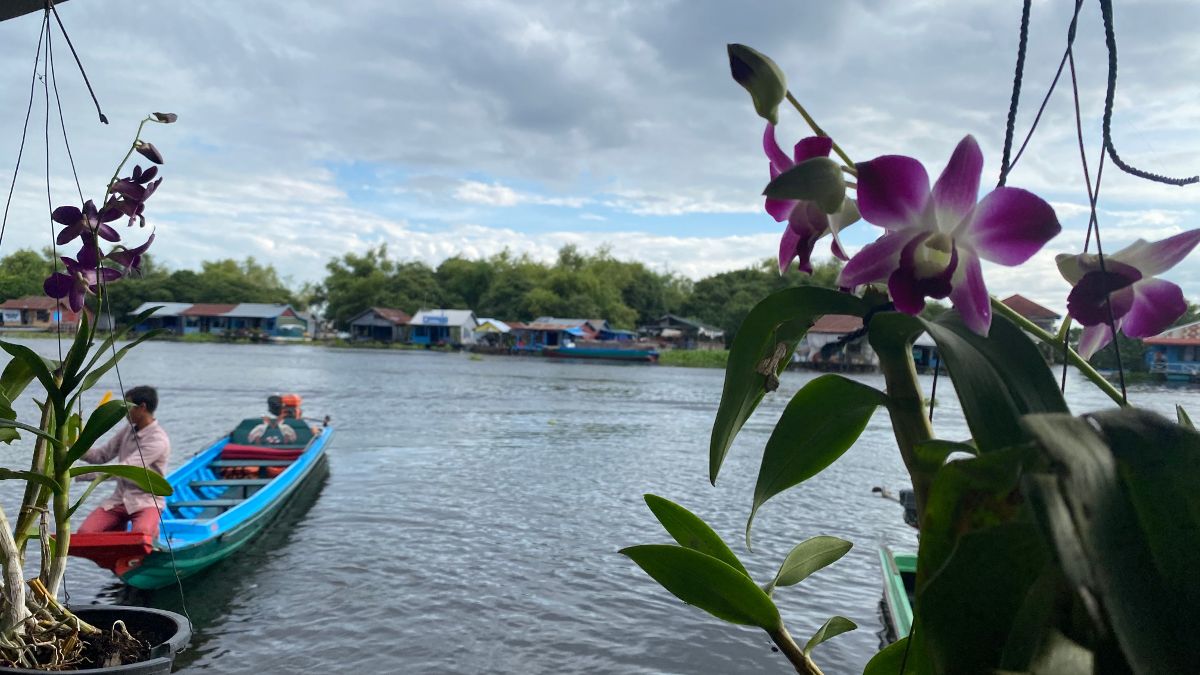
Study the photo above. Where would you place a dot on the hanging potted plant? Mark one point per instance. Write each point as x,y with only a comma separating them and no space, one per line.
36,631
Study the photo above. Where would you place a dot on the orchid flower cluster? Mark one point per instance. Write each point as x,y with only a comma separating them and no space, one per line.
933,241
126,197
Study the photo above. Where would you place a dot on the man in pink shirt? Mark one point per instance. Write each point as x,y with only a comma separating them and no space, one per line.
142,442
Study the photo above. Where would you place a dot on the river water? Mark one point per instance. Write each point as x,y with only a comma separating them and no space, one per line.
473,510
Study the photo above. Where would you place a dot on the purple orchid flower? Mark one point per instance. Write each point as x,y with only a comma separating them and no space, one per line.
134,191
1142,305
131,258
89,220
806,222
935,239
80,278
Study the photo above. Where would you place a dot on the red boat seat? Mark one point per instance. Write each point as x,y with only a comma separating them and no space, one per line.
117,551
242,451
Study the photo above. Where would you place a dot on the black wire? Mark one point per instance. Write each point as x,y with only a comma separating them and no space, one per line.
1014,102
49,199
51,8
1110,40
62,122
937,369
24,130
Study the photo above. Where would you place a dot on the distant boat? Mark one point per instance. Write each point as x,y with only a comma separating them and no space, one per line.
222,498
604,351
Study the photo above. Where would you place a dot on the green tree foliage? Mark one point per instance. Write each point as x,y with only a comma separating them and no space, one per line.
22,273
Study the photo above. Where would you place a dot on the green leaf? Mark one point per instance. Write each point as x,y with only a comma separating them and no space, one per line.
835,626
808,557
932,454
29,476
816,180
1182,416
820,423
760,76
98,423
708,583
38,366
689,530
1118,501
90,379
13,424
118,335
889,660
761,350
146,479
998,378
16,377
75,356
86,493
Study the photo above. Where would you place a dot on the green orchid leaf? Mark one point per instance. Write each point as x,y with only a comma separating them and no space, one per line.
820,423
835,626
932,454
761,77
689,530
13,424
145,479
1182,417
761,351
998,378
75,356
98,423
807,557
29,476
817,180
708,583
40,369
90,379
95,483
890,660
1118,501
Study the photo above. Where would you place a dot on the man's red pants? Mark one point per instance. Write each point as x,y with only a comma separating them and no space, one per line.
105,520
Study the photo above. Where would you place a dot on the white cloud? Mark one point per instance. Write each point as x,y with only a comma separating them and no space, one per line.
495,194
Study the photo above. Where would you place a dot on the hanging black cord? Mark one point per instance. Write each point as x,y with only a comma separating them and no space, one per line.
25,129
62,121
49,199
1014,102
50,7
1110,39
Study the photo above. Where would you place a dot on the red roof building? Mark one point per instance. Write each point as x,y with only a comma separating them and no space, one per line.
1042,317
37,312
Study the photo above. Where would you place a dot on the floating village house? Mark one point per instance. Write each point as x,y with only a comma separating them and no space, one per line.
684,333
550,331
247,318
1175,353
37,312
835,342
1042,317
493,332
442,327
380,324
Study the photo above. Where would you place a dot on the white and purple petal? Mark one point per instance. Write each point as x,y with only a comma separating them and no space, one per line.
812,146
909,289
1094,338
1152,259
1156,305
806,225
1008,226
893,191
877,260
957,189
779,160
970,295
1100,297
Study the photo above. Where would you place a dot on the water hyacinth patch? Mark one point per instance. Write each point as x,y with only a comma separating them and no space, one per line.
1141,304
935,239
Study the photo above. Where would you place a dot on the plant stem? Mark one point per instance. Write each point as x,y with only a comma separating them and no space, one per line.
906,406
33,491
821,132
1073,357
13,612
117,173
62,518
803,664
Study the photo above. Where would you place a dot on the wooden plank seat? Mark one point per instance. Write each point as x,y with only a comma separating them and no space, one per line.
230,482
221,463
206,503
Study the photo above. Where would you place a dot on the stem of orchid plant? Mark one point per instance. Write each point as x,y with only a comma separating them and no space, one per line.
62,510
906,406
1073,357
121,165
821,132
803,664
14,612
33,491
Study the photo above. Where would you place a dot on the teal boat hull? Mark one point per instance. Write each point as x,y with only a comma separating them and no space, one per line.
602,354
899,584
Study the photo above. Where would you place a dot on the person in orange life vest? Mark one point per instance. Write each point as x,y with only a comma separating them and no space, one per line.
273,430
142,442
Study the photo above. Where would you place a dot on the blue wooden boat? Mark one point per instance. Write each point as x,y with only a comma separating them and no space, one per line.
604,352
223,497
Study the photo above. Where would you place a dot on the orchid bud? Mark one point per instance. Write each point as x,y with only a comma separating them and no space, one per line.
165,118
759,75
148,151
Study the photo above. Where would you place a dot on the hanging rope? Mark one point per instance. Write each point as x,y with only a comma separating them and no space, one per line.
1014,101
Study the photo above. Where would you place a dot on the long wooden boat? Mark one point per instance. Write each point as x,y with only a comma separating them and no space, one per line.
604,353
899,585
223,497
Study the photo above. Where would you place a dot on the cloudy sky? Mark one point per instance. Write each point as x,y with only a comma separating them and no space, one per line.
311,128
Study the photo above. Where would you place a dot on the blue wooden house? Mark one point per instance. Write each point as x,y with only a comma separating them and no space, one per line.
1175,353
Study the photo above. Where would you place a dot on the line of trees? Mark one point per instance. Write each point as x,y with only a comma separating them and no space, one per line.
505,286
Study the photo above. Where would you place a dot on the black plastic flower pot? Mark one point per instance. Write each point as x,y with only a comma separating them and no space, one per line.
168,632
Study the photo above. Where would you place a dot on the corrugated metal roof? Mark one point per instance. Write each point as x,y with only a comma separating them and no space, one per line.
1028,308
33,302
207,309
499,325
167,308
256,310
1185,335
443,317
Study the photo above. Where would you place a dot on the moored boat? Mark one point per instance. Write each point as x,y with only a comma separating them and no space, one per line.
899,585
223,497
601,351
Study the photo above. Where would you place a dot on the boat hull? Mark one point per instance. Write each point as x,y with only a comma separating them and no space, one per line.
899,583
602,354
